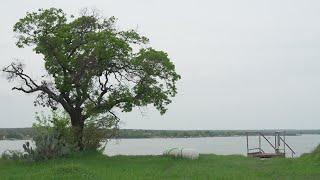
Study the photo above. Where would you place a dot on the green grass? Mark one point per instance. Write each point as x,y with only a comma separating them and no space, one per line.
97,166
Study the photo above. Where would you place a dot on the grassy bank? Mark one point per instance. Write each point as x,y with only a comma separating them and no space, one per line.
96,166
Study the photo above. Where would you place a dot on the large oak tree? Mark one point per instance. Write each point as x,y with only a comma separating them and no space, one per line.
91,66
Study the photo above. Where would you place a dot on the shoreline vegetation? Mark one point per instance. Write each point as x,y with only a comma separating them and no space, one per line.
27,133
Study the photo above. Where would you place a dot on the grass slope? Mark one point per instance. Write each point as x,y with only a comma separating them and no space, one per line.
97,166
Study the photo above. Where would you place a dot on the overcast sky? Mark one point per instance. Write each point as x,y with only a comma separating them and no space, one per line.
249,64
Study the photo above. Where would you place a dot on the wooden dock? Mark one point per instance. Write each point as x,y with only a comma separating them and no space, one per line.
266,155
278,143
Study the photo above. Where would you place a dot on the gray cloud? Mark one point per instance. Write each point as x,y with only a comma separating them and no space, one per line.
245,64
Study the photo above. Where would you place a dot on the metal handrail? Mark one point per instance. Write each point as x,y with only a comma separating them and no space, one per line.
268,141
292,151
276,146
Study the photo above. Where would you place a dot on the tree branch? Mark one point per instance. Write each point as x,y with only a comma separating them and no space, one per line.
15,70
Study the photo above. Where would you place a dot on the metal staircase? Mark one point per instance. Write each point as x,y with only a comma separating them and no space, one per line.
280,146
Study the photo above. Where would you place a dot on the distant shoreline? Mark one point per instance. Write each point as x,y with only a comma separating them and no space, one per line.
27,133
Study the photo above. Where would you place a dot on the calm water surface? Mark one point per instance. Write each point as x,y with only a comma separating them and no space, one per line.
216,145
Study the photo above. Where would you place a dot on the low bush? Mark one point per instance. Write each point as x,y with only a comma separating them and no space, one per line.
314,155
12,155
97,131
53,137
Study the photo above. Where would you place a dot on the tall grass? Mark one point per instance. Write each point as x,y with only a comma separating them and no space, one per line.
98,166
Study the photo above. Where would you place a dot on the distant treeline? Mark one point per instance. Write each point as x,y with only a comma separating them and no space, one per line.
140,133
16,133
27,133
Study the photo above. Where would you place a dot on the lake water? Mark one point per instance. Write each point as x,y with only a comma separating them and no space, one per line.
207,145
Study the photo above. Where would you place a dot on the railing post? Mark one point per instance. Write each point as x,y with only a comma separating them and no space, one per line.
260,143
278,139
275,142
284,143
247,144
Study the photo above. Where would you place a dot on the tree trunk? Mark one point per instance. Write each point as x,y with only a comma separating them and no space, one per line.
77,122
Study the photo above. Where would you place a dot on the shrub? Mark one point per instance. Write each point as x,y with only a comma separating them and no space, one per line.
97,131
12,155
28,153
316,150
53,136
315,154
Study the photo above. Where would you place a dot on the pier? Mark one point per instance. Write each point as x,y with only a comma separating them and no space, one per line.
279,145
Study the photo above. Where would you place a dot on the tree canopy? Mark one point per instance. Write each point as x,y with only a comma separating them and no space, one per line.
91,66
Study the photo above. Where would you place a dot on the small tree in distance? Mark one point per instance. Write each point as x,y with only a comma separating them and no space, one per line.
92,68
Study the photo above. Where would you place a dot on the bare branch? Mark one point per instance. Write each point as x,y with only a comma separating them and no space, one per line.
15,70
